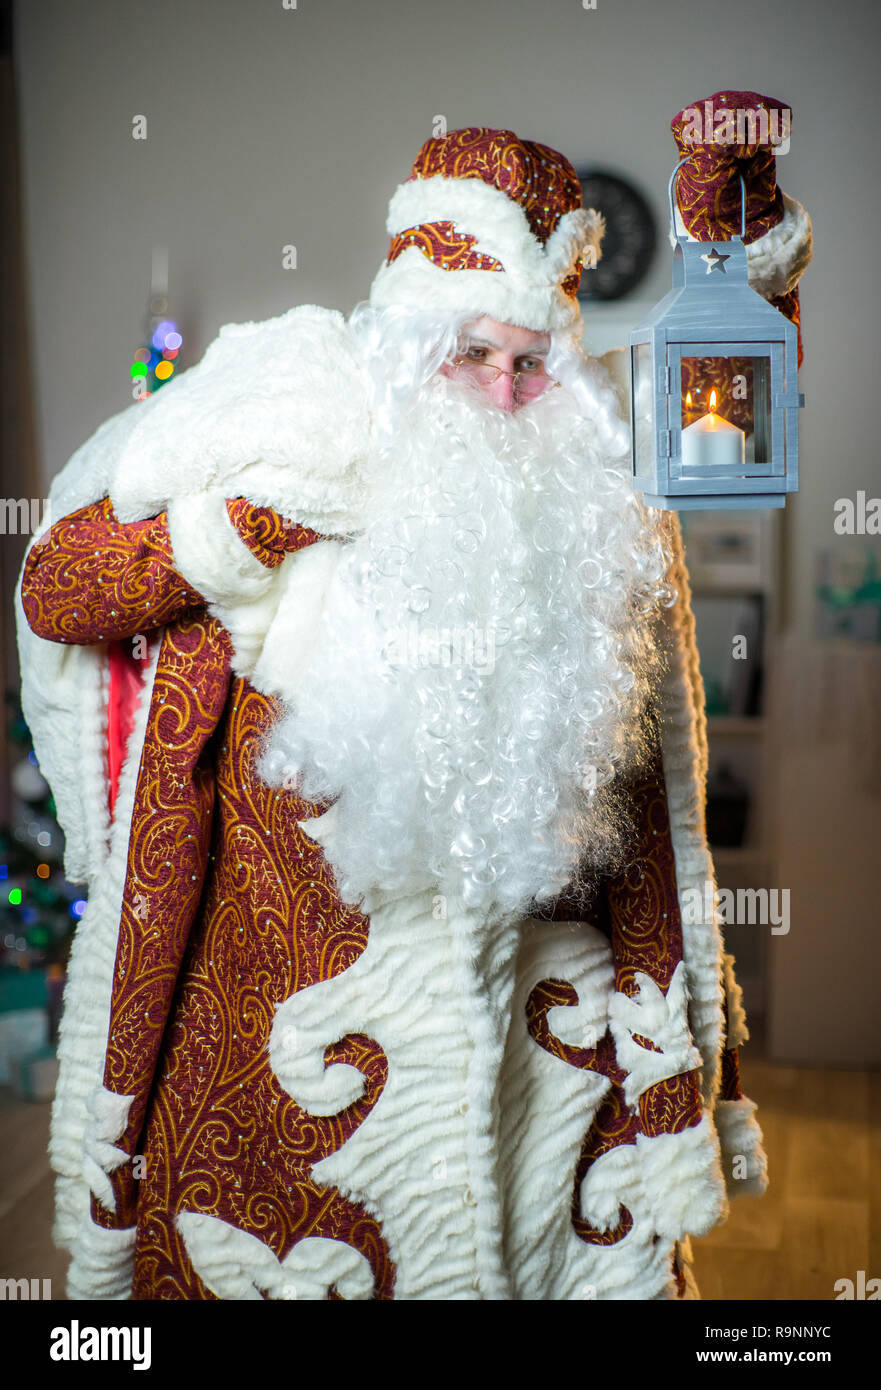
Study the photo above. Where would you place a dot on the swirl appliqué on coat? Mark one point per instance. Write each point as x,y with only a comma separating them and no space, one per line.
612,1125
637,914
223,1139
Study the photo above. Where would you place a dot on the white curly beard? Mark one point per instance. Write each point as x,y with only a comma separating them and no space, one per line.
483,659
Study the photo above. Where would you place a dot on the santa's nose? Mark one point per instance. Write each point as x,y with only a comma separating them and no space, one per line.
501,392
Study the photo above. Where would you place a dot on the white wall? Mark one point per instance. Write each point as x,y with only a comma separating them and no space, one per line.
270,126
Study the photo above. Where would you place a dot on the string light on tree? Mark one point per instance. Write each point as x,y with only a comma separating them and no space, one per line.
154,362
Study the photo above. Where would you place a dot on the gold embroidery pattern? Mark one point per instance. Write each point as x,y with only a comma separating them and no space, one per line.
126,570
443,246
222,1136
540,179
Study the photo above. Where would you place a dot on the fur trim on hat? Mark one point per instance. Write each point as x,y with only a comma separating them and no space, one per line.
527,292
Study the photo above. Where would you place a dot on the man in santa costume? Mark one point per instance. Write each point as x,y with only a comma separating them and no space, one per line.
368,694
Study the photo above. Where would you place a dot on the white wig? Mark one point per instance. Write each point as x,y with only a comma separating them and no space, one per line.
504,782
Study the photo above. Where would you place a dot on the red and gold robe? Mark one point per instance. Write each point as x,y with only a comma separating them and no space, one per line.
267,1092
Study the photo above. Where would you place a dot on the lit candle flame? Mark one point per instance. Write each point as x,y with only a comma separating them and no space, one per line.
688,399
712,401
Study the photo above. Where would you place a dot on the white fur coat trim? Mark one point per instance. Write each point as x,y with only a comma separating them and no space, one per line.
108,1120
79,1123
478,1129
663,1020
682,1180
64,691
684,752
422,1161
102,1264
239,1266
547,1106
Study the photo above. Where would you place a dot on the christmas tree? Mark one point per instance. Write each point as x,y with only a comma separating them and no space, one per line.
155,360
39,909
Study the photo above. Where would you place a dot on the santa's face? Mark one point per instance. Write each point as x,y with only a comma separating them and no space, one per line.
483,652
502,361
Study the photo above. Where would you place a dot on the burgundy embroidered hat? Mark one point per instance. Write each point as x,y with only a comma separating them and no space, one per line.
488,223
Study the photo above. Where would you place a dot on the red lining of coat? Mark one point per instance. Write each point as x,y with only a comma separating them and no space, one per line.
126,683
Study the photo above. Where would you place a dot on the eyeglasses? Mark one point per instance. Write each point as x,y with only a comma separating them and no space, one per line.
527,385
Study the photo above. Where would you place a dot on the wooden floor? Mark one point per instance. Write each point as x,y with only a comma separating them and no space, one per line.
819,1221
26,1195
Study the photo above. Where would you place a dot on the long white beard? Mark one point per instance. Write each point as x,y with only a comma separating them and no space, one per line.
483,658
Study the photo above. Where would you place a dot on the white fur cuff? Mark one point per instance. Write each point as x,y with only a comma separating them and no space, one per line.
744,1161
209,552
777,260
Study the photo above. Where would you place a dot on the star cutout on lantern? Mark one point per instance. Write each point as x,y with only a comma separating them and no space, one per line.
715,261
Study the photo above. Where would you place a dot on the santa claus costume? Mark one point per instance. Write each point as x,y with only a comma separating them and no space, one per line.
375,727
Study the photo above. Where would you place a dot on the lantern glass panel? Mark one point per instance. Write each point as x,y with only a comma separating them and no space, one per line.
642,410
742,387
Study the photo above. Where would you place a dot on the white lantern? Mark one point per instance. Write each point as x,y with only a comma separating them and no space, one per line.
714,372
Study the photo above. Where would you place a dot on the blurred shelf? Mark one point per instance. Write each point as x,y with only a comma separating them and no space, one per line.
727,588
748,725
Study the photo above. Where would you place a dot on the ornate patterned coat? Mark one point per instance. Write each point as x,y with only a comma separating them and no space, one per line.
266,1091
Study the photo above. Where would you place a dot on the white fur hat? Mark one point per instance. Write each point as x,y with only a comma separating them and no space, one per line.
489,224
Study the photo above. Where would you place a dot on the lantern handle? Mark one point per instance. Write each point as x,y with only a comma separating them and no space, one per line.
670,197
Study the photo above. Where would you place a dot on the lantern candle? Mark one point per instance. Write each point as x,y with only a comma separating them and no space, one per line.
712,441
689,414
